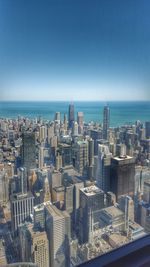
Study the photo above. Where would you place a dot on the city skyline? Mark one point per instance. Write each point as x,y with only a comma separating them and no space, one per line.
74,51
72,191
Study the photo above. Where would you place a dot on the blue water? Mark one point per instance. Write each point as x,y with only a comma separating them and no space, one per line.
121,112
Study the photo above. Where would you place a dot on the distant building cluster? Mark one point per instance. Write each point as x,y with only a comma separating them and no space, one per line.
70,190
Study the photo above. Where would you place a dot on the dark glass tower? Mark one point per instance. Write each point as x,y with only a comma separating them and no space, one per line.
71,115
106,122
28,150
147,129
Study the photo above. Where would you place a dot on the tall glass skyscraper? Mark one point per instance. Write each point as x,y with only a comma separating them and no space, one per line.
106,121
28,150
71,115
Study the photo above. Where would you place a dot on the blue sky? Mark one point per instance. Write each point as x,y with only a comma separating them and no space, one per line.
74,50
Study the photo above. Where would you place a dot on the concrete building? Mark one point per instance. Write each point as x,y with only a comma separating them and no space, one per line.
58,194
126,204
3,259
4,187
41,157
146,191
46,195
80,118
55,179
21,208
39,216
34,245
112,216
58,232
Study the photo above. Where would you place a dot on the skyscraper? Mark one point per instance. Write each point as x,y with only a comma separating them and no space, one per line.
65,123
91,152
75,128
103,168
58,231
28,150
91,202
34,245
71,115
81,158
126,204
22,174
41,157
4,187
57,117
106,122
147,129
122,176
80,121
21,208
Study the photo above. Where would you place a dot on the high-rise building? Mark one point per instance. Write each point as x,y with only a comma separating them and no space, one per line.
80,122
106,122
42,133
122,176
91,152
39,216
41,157
68,201
55,179
126,204
96,135
81,157
28,150
57,117
147,129
4,187
65,123
3,258
103,168
75,128
66,153
91,202
71,115
58,232
146,193
22,175
50,132
34,245
58,161
46,195
21,208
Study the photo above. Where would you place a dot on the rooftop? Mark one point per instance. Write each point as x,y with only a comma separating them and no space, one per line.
59,189
91,190
112,212
124,160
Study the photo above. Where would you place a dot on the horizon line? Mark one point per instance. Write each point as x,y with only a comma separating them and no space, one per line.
93,100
